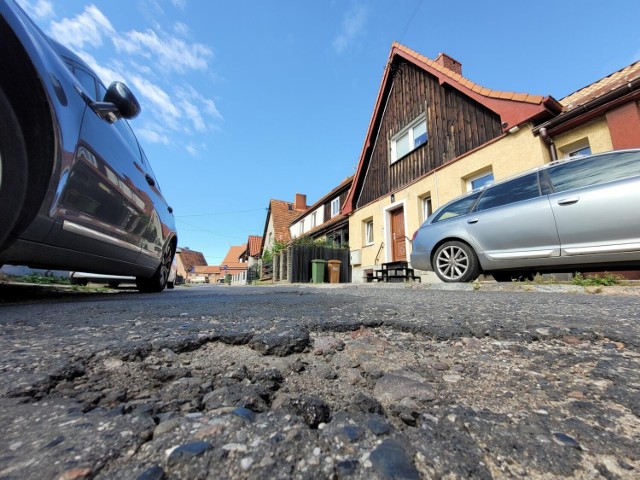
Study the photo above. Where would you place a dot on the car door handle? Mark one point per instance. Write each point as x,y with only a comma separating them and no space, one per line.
568,201
150,180
473,220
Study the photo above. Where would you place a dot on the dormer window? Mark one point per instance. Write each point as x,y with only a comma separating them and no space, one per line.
335,206
409,138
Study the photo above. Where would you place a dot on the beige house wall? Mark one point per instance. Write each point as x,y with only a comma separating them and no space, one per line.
512,154
594,134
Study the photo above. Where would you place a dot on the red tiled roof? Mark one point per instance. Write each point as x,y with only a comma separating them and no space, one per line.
191,258
456,77
233,254
254,243
282,214
602,86
206,270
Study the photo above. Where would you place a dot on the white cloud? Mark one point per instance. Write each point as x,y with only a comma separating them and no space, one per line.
37,9
192,150
169,52
352,27
158,98
181,29
87,28
151,135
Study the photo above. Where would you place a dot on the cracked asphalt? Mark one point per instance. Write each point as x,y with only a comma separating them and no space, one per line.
335,381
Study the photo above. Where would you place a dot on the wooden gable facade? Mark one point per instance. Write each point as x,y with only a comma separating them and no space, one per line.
456,124
461,116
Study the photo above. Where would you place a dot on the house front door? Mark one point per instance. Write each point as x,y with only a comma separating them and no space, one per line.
398,241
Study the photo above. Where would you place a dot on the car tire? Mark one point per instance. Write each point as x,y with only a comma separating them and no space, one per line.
158,281
113,284
456,261
13,170
170,285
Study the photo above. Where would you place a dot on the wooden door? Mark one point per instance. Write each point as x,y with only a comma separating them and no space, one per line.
398,243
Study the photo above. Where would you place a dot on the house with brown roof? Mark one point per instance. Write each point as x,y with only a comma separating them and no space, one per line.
280,214
323,219
187,260
233,268
435,134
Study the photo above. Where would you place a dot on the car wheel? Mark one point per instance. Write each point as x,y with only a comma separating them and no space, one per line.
170,285
456,262
158,281
13,170
114,284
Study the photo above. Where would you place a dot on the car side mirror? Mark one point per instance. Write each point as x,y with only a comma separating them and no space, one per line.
124,100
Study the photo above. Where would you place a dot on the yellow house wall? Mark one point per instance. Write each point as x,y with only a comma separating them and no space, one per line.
595,134
510,155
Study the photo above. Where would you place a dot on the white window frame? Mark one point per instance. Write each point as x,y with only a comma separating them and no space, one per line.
572,151
335,207
470,180
314,219
368,232
409,129
301,228
427,206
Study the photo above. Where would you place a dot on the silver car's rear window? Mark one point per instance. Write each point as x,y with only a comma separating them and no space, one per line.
459,207
594,170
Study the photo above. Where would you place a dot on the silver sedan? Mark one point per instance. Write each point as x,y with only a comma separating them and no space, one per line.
567,215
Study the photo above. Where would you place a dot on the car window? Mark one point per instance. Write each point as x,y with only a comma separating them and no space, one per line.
88,82
593,171
127,134
516,190
459,207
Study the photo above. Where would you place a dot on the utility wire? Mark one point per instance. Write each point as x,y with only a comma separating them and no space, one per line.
413,14
205,230
220,213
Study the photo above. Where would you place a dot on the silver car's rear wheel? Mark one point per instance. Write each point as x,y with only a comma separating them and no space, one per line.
456,262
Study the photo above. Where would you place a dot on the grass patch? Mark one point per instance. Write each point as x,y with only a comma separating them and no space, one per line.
604,280
41,279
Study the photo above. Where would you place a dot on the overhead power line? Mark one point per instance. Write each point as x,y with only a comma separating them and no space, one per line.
220,213
413,14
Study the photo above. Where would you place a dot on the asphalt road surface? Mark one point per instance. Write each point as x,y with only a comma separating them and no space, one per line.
335,381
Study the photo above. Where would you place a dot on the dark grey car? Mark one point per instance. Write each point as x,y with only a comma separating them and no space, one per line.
76,189
564,216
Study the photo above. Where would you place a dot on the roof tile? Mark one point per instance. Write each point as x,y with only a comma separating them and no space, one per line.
464,81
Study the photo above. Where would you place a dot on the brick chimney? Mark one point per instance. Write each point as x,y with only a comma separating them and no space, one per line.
300,204
450,63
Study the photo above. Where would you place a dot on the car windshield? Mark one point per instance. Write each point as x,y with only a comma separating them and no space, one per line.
459,207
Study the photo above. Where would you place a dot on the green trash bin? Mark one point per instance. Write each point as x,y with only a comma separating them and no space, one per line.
317,271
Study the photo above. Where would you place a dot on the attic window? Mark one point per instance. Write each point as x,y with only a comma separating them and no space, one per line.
409,138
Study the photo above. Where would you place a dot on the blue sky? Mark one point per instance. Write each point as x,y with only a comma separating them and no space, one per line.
247,101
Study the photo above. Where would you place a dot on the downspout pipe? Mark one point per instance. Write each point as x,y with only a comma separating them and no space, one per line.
544,134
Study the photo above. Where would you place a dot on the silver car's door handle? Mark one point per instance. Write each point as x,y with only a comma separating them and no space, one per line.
568,201
473,220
